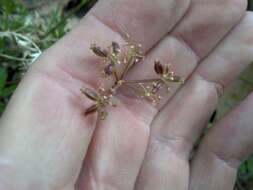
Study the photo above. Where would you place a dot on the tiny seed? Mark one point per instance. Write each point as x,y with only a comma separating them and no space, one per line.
158,67
108,69
115,47
167,69
99,51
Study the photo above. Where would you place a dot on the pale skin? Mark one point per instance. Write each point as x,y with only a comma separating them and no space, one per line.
46,142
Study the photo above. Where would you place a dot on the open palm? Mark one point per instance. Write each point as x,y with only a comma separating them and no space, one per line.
46,142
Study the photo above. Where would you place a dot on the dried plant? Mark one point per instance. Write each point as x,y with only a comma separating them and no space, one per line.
116,61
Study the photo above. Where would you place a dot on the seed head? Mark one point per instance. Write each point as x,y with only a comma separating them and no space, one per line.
117,62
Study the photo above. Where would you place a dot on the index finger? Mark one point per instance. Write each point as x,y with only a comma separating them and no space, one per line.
147,22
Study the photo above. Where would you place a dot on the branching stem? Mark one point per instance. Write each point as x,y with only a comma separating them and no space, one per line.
142,81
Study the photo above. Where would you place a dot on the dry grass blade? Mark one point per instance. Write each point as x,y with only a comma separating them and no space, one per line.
89,94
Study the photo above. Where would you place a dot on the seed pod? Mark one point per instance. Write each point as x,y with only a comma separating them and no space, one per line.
108,70
89,94
91,109
99,51
166,69
158,68
115,48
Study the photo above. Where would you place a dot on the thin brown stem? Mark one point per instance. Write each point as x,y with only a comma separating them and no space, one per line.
117,85
116,75
126,69
142,81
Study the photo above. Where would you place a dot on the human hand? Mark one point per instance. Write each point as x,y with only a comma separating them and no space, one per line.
44,135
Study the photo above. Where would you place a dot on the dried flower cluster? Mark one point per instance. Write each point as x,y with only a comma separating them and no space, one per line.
116,62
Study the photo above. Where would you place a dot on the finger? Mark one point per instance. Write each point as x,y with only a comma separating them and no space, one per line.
192,39
202,37
224,148
110,21
179,124
43,131
145,21
117,148
52,122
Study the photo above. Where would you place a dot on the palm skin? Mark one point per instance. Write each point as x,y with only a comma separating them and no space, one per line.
46,142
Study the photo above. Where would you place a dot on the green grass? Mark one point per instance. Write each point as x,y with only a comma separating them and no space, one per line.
25,33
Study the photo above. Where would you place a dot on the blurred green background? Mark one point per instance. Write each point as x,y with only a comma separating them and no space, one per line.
27,27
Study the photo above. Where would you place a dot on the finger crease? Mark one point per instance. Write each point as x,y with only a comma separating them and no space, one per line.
183,41
218,86
114,29
178,145
230,162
